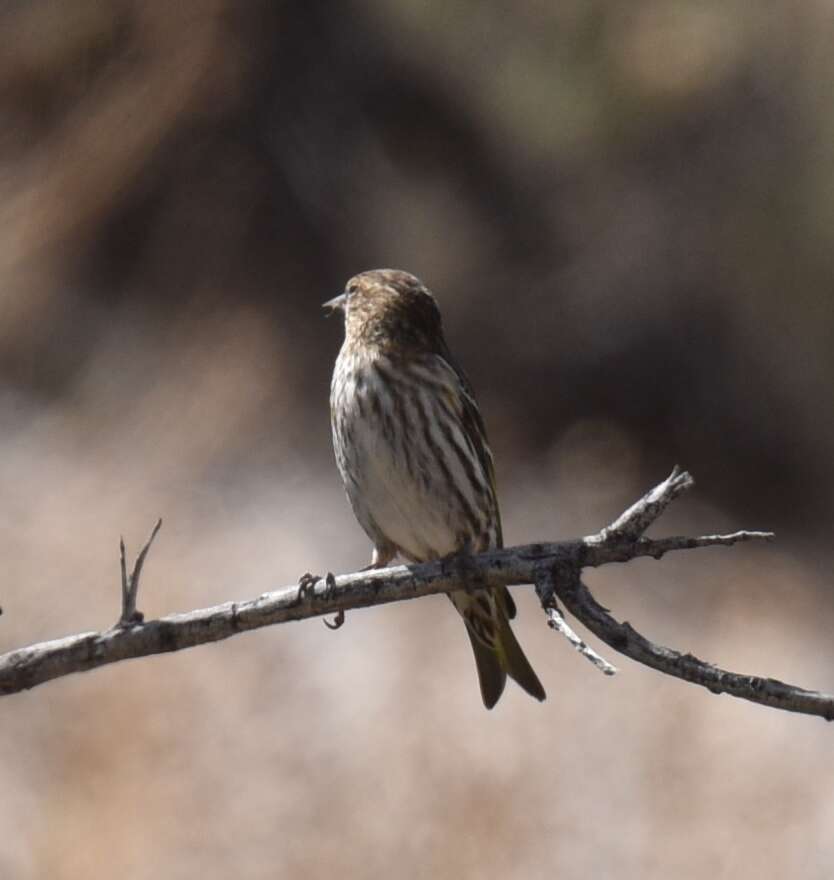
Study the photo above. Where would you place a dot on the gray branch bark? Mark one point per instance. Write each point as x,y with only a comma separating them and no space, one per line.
554,569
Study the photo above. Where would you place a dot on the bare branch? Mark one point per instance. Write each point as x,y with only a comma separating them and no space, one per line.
554,567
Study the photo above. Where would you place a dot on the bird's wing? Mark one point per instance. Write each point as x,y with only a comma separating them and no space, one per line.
472,423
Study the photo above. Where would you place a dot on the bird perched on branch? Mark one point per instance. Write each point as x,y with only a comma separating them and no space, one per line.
412,451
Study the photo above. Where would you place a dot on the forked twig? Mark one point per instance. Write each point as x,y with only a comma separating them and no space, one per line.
130,584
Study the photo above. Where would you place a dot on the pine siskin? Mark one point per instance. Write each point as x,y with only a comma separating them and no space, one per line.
412,451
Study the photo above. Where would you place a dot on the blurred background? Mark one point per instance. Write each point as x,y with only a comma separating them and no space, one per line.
627,215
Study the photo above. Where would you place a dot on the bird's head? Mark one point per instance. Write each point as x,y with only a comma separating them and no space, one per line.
388,307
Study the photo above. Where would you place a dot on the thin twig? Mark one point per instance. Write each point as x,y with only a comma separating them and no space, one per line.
546,589
130,585
556,621
125,584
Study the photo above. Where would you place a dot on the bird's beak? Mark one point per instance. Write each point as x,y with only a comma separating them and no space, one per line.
337,304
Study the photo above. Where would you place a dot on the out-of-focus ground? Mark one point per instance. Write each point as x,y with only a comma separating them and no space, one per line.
627,214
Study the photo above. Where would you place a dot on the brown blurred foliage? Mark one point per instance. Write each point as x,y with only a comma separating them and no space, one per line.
627,214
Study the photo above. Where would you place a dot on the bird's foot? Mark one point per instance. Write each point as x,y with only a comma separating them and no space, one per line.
307,589
307,585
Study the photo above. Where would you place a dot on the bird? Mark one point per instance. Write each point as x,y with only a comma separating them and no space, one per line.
412,451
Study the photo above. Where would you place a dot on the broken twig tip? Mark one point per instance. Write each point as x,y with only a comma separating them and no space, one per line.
557,622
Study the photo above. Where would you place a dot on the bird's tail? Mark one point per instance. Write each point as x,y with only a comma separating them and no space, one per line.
497,652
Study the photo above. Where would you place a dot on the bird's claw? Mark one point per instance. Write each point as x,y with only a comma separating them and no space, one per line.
307,585
338,620
329,590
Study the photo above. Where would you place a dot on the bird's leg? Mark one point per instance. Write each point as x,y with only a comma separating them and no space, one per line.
382,555
380,558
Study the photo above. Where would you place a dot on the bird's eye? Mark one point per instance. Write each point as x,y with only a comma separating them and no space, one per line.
352,287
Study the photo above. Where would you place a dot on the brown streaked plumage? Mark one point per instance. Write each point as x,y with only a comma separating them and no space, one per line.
411,447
